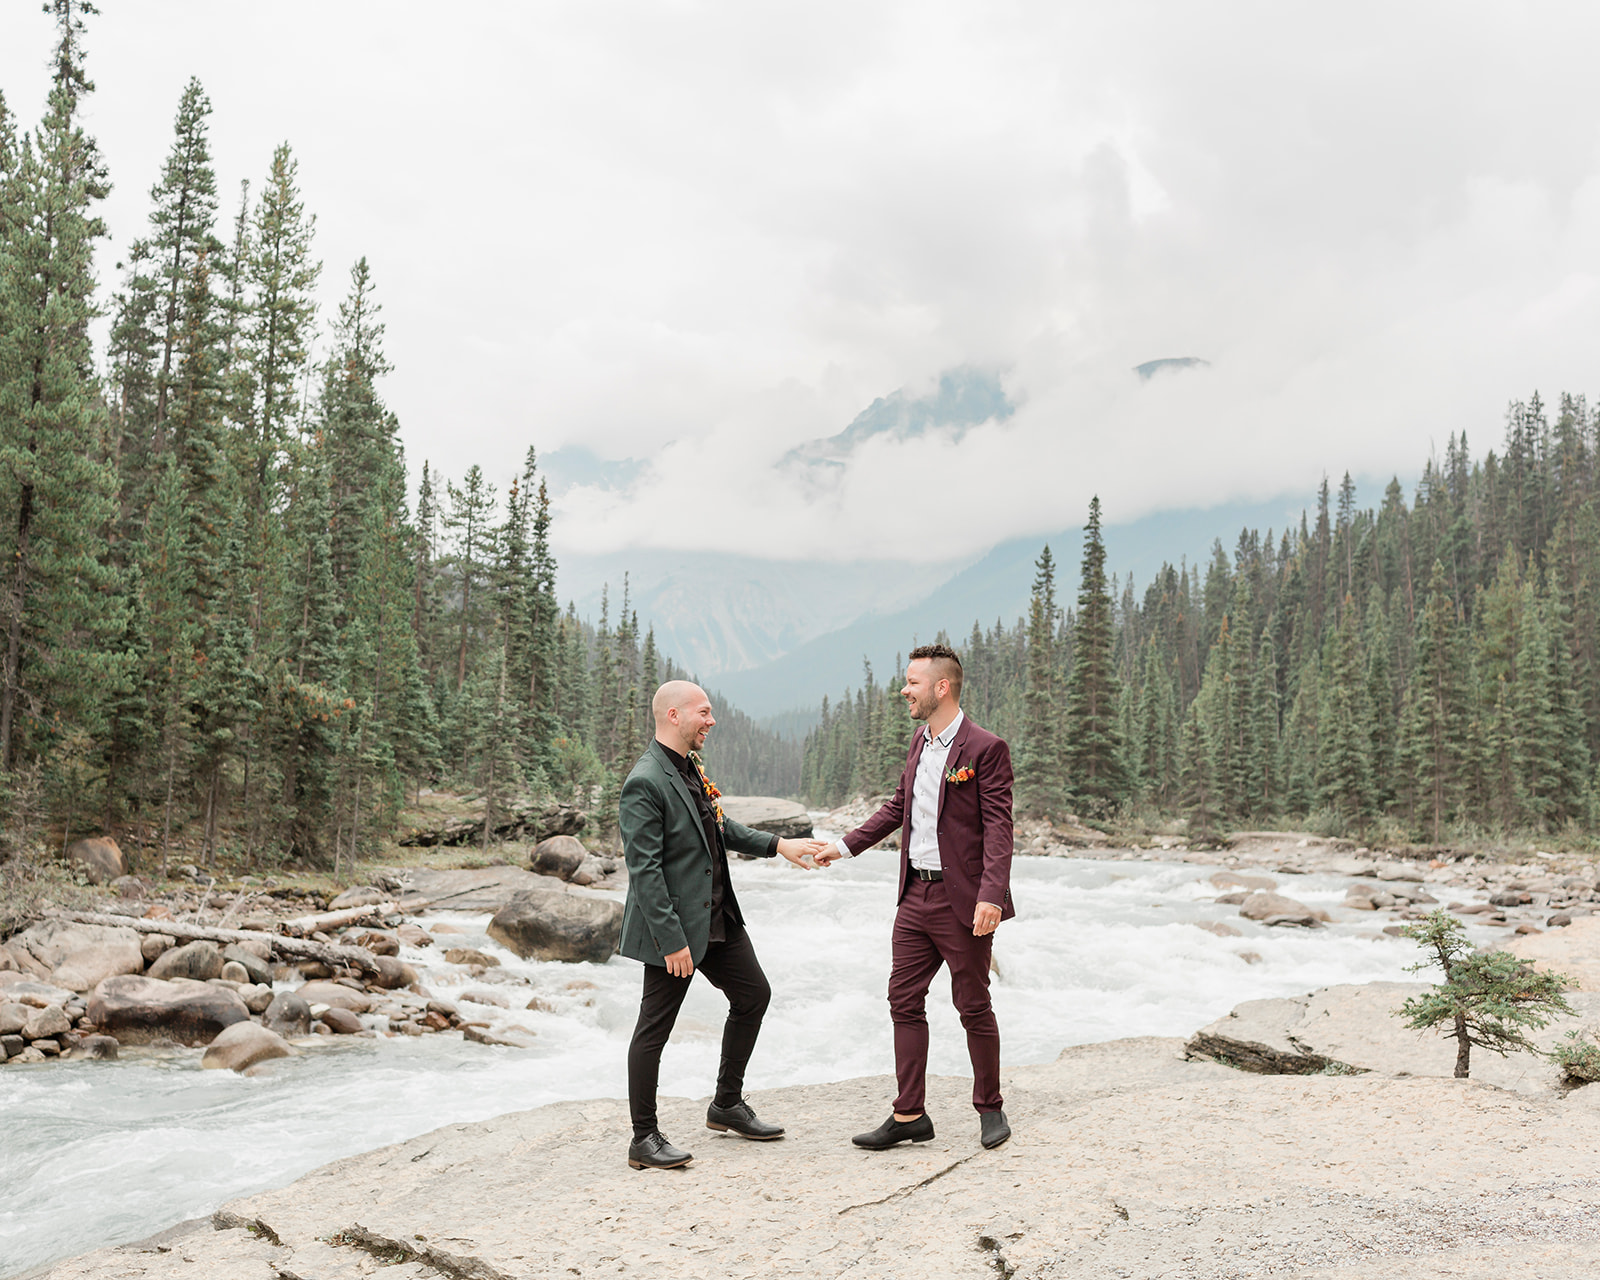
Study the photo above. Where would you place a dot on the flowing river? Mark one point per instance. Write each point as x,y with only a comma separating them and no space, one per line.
93,1153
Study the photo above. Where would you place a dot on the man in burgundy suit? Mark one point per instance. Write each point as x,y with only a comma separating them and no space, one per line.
953,811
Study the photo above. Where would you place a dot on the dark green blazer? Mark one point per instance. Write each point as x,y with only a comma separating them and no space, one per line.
669,862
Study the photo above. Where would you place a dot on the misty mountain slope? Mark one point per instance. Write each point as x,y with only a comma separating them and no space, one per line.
996,587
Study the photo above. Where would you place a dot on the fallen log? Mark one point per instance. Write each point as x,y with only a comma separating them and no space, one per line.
334,919
295,948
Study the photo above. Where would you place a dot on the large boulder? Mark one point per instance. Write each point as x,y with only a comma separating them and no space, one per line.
391,973
99,858
13,1017
46,1024
37,995
365,895
288,1015
786,819
558,856
15,958
241,1046
137,1010
201,961
559,926
81,956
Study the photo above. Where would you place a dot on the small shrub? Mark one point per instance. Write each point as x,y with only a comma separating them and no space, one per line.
1579,1056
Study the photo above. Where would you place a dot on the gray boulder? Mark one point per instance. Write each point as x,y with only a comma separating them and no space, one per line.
391,973
1274,908
559,926
365,895
786,819
200,961
96,1048
336,994
340,1021
137,1010
288,1015
152,945
21,990
241,1046
255,966
13,1017
46,1024
558,856
80,956
99,858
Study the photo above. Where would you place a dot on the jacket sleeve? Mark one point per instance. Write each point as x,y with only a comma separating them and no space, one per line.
743,839
994,810
889,818
641,817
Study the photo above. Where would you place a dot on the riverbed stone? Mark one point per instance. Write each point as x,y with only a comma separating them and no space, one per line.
495,999
36,995
233,971
558,856
241,1046
199,960
99,858
391,973
16,960
256,968
380,944
79,956
1275,908
504,1037
337,995
559,926
1242,880
138,1010
43,1024
411,935
257,997
13,1017
288,1014
151,945
30,1054
11,1045
786,819
340,1021
470,955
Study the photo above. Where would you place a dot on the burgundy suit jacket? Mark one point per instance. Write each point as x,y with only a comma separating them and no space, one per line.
974,822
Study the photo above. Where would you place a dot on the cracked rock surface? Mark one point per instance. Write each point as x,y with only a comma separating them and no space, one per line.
1128,1160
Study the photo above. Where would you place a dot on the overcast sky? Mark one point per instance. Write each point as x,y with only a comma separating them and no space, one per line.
701,233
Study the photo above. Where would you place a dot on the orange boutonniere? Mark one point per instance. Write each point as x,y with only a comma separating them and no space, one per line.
709,787
961,773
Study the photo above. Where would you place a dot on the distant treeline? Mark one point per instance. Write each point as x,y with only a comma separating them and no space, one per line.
1433,665
217,609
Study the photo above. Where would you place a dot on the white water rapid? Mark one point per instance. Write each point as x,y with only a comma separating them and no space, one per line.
93,1153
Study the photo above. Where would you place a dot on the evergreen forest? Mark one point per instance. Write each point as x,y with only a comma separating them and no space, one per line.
1428,669
222,611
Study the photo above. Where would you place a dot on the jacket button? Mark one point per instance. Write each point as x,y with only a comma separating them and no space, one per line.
708,870
708,906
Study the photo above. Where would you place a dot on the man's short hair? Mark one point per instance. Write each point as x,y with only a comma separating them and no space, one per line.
946,664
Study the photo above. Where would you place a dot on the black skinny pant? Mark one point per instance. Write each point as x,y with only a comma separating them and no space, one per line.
732,968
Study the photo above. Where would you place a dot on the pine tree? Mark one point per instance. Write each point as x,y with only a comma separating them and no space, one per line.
1344,762
1093,747
1040,789
1430,752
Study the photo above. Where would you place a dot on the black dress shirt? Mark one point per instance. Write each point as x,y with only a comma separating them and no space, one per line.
719,852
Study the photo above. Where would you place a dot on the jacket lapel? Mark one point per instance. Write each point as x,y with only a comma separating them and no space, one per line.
953,759
676,779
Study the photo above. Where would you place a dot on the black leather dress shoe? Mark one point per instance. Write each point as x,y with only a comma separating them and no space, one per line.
893,1131
742,1121
996,1128
654,1152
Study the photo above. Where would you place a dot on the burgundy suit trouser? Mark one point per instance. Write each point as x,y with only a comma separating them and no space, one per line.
928,933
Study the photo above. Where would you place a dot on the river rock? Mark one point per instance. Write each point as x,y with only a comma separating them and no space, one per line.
1242,880
786,819
1274,908
99,858
495,999
96,1049
30,1054
288,1015
558,856
11,1045
13,1017
15,959
505,1037
79,956
44,1024
559,926
233,971
336,994
470,955
241,1046
152,945
391,973
380,944
36,995
365,895
138,1010
340,1021
200,961
256,968
257,997
411,935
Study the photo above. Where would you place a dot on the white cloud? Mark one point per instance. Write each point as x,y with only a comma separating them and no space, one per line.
703,232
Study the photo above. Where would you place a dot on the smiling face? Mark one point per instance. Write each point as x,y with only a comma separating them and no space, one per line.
694,720
922,691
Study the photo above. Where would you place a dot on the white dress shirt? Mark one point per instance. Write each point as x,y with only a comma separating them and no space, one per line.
925,786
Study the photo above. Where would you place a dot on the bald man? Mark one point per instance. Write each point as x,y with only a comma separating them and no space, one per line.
682,915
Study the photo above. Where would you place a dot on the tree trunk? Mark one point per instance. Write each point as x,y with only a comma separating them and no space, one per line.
1463,1047
327,952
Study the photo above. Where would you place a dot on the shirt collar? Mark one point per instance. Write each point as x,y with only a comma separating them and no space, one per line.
949,734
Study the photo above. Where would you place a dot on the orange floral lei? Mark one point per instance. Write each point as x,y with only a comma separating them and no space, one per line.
709,786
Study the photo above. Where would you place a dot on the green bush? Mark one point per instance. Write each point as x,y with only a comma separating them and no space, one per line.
1579,1056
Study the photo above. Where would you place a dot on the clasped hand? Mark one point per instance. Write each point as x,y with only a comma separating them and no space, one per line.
805,854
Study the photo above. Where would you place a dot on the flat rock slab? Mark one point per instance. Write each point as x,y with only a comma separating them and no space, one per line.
786,819
1573,950
1127,1160
1354,1026
484,889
